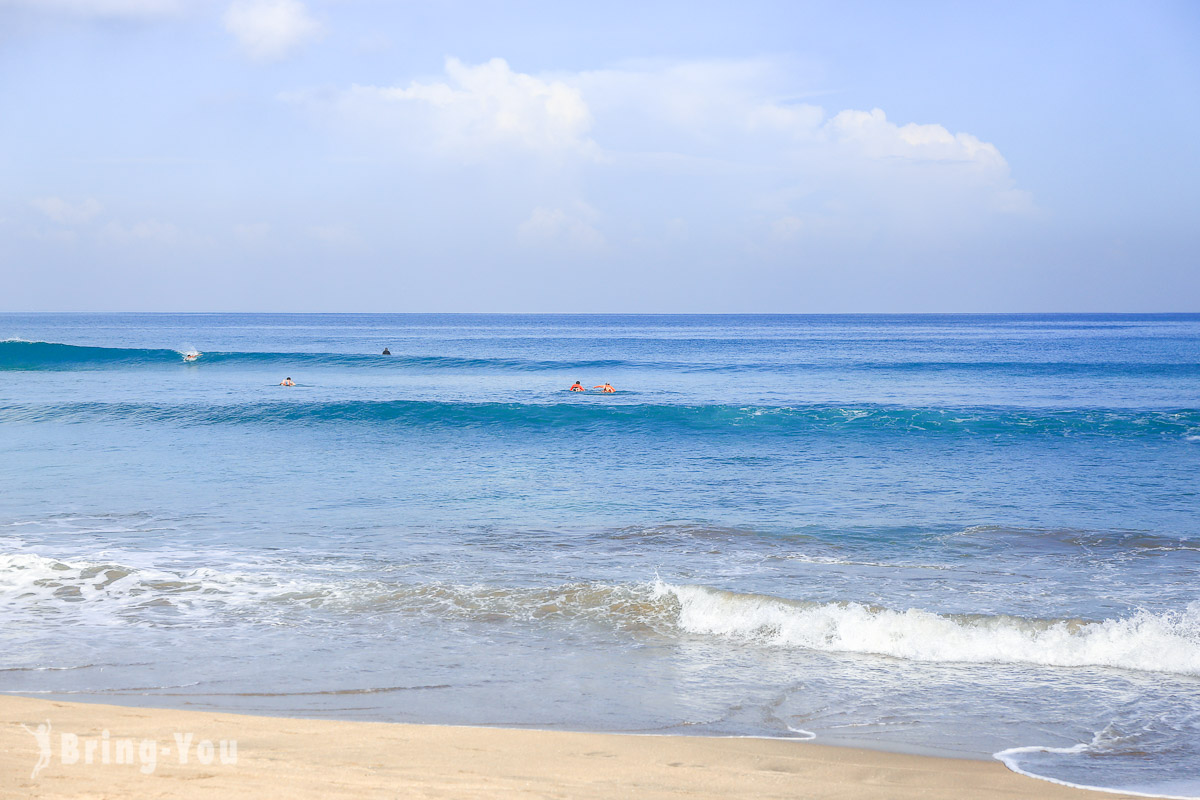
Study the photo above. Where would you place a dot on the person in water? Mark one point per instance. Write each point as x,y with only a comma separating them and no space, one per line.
387,352
605,387
287,382
577,387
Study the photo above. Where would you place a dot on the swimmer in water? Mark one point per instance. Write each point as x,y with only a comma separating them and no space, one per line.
190,356
605,387
387,352
577,387
287,382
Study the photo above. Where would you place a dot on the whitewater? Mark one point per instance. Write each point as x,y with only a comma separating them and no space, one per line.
963,535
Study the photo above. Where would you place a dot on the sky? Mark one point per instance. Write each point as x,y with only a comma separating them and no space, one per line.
641,157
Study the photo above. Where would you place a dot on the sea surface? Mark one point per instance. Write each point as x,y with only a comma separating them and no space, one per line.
973,536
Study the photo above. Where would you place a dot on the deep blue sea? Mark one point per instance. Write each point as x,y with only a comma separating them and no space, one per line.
965,535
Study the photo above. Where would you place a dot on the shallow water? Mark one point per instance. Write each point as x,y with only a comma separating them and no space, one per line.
958,534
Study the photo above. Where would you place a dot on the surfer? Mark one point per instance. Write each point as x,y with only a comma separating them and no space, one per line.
387,352
287,382
190,356
605,387
577,387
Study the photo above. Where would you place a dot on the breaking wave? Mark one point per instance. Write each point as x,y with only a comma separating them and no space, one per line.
1168,642
19,354
33,586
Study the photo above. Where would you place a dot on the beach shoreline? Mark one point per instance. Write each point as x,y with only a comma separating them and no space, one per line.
243,755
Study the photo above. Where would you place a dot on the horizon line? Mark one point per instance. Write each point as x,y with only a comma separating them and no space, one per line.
635,313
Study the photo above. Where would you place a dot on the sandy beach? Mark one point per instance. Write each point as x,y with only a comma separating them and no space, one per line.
293,758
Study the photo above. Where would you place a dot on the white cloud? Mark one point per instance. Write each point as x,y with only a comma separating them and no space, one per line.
702,155
721,110
557,227
147,231
55,235
728,110
805,173
476,110
252,233
335,235
878,138
270,29
814,226
66,213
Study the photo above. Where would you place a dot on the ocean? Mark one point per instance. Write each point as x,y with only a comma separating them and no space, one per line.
973,536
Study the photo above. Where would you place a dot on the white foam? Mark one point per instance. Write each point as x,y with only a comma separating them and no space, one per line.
108,590
804,736
32,584
804,558
1168,642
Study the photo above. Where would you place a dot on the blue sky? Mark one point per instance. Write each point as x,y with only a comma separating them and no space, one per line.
363,155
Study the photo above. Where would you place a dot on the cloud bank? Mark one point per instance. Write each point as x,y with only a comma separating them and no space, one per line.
64,212
657,149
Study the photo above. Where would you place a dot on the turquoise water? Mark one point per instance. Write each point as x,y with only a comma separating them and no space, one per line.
966,535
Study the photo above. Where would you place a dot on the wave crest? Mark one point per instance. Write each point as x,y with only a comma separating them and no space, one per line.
723,419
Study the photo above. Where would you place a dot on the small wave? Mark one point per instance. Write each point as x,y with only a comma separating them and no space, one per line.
319,693
1036,368
1122,541
723,419
18,354
1011,758
801,734
1168,642
68,669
